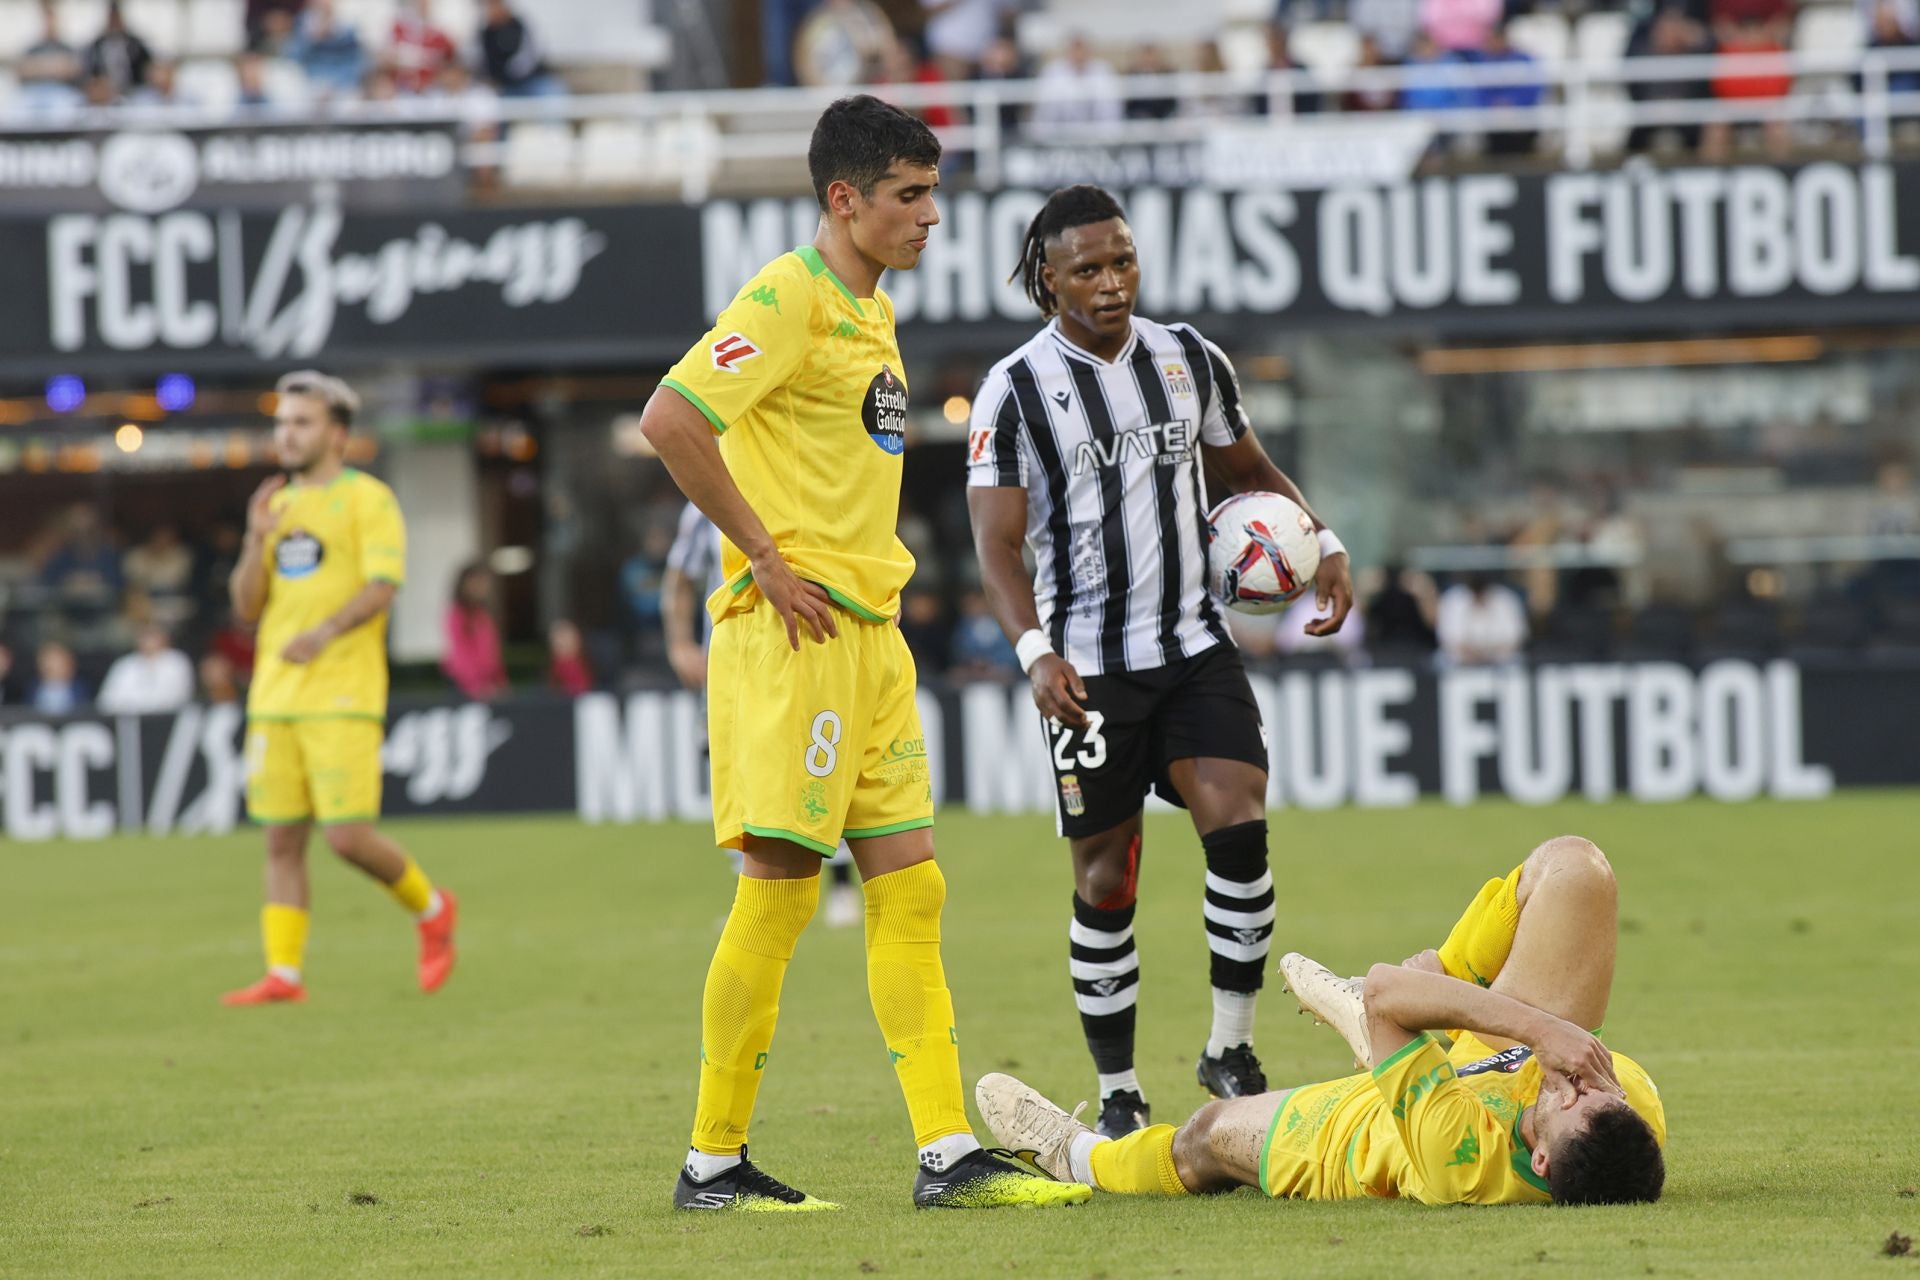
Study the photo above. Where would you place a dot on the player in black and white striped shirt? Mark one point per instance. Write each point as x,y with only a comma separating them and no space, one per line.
1086,445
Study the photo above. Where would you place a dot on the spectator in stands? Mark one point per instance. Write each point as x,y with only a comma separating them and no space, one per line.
1442,84
1400,615
270,24
1518,94
329,51
162,90
1150,59
1460,26
1004,61
49,73
154,678
418,50
1078,88
1480,623
219,682
1216,105
512,58
1751,27
1279,58
251,69
958,32
162,566
567,670
1893,26
59,691
779,23
82,573
1370,99
233,642
979,649
1392,24
923,625
843,43
117,55
472,658
8,693
1670,30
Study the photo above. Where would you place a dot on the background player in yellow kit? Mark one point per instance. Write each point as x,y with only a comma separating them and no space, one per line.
323,558
785,425
1526,1107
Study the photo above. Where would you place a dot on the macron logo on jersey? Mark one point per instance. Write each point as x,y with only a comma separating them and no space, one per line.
733,351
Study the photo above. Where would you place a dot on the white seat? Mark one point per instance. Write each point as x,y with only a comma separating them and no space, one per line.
1609,118
1600,39
460,19
1328,49
539,154
19,27
1828,28
1544,37
681,145
209,83
161,23
285,83
1243,50
215,28
80,20
613,152
373,19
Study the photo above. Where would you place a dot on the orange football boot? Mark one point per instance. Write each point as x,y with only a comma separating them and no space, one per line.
436,945
272,989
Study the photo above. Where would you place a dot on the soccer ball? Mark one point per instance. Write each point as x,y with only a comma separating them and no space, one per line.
1262,552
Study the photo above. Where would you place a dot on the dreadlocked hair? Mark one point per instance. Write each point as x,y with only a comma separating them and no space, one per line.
1065,209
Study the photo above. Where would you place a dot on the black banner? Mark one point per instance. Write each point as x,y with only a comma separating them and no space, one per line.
1648,732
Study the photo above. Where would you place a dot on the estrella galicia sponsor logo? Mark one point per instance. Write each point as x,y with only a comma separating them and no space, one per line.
1507,1061
299,554
884,413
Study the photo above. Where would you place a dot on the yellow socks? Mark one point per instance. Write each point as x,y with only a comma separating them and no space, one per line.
1140,1164
742,1003
283,932
1482,938
908,987
412,890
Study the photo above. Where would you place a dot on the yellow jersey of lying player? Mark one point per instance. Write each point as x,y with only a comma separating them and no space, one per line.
1440,1127
803,382
330,541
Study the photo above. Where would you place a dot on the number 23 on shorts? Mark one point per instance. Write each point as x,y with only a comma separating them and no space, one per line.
1093,748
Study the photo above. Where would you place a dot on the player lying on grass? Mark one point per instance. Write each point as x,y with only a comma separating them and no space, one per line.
1526,1107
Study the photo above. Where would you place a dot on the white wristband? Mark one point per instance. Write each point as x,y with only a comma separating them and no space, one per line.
1030,647
1330,544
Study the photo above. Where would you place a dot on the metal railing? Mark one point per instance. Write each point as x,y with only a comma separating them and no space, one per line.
1586,109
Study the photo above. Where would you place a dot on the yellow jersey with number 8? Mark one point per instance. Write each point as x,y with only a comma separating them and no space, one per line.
803,383
329,541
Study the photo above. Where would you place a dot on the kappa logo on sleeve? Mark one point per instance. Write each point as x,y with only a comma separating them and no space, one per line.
733,351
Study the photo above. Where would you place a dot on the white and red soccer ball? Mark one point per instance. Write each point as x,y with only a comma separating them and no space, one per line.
1262,552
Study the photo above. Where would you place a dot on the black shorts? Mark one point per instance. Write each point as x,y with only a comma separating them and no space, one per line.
1139,722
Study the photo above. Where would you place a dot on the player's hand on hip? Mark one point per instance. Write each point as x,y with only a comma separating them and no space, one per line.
1058,691
261,517
1578,1055
1332,584
795,601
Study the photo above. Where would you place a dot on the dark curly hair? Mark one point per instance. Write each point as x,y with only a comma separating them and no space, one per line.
858,139
1066,208
1616,1161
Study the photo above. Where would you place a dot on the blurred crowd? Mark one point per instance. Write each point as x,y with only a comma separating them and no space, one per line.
298,55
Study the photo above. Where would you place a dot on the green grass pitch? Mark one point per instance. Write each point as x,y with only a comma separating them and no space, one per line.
529,1119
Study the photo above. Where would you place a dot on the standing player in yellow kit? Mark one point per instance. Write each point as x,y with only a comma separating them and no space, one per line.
785,425
323,558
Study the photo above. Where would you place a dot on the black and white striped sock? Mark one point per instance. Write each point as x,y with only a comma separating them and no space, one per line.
1106,982
1239,913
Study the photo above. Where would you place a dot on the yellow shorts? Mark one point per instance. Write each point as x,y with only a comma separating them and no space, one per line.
814,745
324,770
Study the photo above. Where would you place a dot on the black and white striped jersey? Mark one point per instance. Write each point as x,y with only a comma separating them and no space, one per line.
1116,505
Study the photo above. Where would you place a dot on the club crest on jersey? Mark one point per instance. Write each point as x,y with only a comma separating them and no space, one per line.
732,351
1179,381
1071,796
299,554
884,412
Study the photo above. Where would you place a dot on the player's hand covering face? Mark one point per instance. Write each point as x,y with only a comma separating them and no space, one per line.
1094,276
891,226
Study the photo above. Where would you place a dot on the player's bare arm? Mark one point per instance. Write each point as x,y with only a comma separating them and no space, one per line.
247,584
679,597
999,529
367,604
684,440
1402,1002
1244,467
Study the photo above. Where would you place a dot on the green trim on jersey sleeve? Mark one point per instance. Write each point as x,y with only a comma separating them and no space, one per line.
719,427
818,266
1406,1050
781,833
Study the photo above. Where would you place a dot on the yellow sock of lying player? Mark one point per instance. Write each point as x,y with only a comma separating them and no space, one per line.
1482,937
908,987
741,1004
1140,1164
